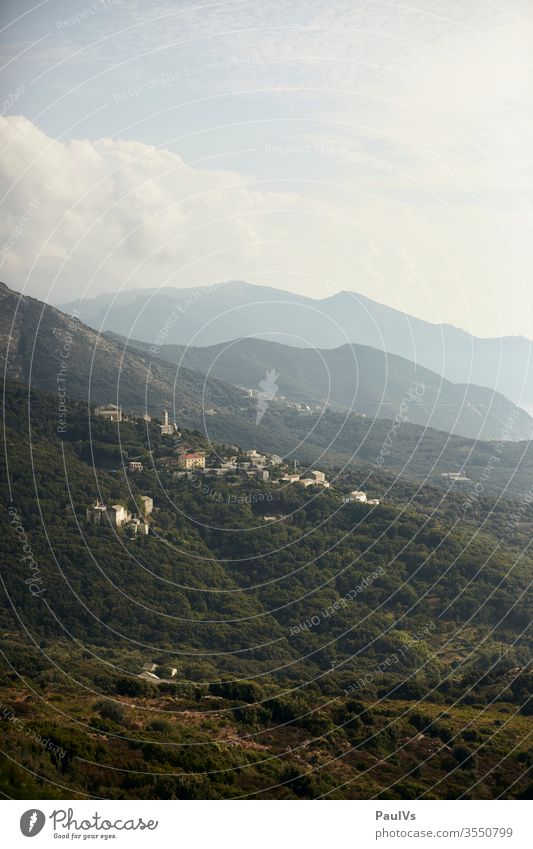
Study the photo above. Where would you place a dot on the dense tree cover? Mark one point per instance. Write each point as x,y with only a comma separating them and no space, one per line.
318,626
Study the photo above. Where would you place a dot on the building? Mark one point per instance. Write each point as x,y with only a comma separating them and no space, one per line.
118,515
254,455
110,412
373,501
315,479
149,676
95,513
147,504
168,672
167,428
135,466
356,495
137,526
192,460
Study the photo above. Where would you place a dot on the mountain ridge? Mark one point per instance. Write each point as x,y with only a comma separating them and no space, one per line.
217,313
355,378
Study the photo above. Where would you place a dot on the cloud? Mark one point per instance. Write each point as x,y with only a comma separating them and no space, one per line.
112,212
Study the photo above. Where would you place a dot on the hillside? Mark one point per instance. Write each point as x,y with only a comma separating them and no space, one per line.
220,313
238,607
357,378
53,351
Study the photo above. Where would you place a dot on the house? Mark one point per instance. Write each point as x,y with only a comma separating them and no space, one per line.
168,672
118,515
147,504
135,466
356,495
137,526
255,457
95,513
373,501
292,478
315,479
109,411
192,460
149,676
258,462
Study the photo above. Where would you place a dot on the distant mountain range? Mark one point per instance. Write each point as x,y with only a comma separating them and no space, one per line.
354,378
101,369
211,315
34,338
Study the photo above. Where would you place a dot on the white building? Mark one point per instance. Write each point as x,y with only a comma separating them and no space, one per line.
356,495
167,428
315,478
118,515
147,504
95,513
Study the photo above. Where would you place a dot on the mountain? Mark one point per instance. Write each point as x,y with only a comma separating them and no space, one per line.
46,348
222,312
357,378
99,369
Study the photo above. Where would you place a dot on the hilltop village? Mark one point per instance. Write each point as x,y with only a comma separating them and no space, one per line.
187,457
177,455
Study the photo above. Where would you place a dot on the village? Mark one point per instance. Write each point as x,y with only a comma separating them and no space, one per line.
184,460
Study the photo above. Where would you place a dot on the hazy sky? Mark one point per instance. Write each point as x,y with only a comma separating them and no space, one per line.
380,147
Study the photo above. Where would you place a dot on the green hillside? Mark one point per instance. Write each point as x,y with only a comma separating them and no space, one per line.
284,630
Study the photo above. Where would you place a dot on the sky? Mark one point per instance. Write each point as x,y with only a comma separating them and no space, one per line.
378,147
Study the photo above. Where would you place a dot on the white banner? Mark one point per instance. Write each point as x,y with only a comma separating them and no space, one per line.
264,824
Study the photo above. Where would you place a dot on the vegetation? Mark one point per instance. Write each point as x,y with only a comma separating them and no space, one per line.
339,651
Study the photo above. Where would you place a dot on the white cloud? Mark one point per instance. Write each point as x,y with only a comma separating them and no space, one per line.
100,216
98,213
